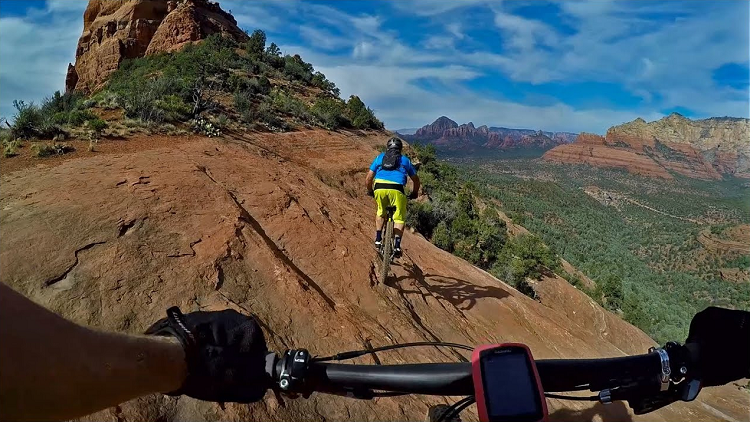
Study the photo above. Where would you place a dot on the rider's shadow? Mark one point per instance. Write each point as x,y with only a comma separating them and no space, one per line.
460,293
615,412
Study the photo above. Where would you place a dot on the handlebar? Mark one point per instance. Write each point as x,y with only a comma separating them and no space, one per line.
648,380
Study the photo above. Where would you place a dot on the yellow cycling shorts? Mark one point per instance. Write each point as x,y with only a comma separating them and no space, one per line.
391,198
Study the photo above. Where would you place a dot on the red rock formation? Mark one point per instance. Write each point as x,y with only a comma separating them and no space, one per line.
604,156
704,149
447,134
115,30
436,129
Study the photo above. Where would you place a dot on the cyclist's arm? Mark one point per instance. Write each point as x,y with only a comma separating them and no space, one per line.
415,183
370,180
53,369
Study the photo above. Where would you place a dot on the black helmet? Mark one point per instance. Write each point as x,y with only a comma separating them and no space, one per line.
395,143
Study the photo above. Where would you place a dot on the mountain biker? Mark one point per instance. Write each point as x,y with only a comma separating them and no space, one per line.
386,182
53,369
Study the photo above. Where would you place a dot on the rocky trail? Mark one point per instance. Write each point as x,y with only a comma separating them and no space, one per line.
271,224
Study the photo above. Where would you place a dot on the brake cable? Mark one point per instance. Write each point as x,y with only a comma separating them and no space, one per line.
574,398
357,353
456,408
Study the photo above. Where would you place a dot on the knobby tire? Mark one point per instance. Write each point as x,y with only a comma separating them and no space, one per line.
387,250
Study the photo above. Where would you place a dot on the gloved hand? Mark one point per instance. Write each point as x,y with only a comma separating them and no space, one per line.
723,338
225,353
413,195
371,193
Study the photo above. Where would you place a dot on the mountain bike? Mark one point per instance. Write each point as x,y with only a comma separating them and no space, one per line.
386,246
647,382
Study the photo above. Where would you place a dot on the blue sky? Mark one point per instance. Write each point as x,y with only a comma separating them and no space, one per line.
563,65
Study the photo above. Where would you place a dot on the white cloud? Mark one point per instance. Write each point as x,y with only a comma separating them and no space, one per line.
524,34
34,53
435,7
76,6
367,24
455,29
439,42
322,39
621,42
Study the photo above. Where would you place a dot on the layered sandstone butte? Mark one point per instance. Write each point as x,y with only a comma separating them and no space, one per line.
115,30
449,135
704,149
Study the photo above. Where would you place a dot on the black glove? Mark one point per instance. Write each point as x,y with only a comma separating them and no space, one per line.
413,195
723,338
225,353
371,193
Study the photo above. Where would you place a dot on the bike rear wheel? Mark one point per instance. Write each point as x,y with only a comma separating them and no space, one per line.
387,250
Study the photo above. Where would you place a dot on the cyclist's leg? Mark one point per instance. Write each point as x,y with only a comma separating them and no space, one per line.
399,216
382,201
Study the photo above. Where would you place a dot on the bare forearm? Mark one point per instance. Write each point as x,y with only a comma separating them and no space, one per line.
415,184
51,368
369,180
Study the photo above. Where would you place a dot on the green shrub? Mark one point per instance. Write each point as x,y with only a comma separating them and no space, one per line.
611,291
296,69
264,85
421,217
264,116
361,117
105,99
79,117
442,238
222,121
47,150
288,104
64,103
330,112
252,86
256,44
243,101
237,82
29,122
172,108
742,262
10,148
97,126
319,80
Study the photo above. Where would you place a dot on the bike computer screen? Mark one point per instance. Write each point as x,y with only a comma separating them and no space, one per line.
507,385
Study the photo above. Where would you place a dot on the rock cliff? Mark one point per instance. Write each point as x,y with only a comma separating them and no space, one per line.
704,149
115,30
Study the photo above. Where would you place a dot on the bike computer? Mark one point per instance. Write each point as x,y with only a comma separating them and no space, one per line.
507,385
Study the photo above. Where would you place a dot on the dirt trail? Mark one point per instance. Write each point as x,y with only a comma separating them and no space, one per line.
270,224
606,197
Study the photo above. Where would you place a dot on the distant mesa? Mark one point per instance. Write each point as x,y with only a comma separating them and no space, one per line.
674,145
449,136
115,30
